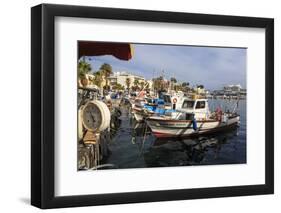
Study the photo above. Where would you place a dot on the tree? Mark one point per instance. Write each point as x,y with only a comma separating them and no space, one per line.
159,83
185,87
98,78
118,87
106,70
142,84
83,68
178,88
185,84
136,82
174,80
128,83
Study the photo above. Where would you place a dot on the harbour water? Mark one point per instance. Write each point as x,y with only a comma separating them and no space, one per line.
133,146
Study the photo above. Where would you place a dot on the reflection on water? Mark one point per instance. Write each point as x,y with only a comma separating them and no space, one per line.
133,146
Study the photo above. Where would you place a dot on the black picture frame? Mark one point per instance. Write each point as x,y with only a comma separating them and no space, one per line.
43,105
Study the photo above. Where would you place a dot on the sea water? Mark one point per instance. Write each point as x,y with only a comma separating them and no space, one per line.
133,146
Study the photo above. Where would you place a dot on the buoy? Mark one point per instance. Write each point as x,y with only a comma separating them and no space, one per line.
194,124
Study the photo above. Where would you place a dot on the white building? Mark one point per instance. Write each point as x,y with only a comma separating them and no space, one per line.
232,88
121,78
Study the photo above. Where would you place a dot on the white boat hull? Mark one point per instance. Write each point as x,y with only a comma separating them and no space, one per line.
162,128
138,117
139,114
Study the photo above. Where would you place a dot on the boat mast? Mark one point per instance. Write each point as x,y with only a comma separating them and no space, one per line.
237,103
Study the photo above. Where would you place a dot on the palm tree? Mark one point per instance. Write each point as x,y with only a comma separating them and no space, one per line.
174,80
118,87
159,84
128,83
83,69
142,84
106,70
98,78
136,83
185,84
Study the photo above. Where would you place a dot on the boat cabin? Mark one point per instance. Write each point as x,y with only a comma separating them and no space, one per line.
198,107
173,101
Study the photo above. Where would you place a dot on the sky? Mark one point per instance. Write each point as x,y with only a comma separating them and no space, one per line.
213,67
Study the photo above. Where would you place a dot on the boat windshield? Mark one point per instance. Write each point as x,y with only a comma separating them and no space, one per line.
188,104
167,98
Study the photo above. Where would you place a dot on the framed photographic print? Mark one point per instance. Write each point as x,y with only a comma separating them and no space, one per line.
140,106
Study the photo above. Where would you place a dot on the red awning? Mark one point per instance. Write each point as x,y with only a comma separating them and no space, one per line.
121,51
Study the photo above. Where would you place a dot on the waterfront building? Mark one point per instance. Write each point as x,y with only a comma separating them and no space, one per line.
243,92
121,78
232,88
231,91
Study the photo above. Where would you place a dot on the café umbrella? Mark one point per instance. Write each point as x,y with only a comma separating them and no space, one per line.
122,51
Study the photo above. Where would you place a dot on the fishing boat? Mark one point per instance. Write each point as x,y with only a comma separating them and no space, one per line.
194,118
173,100
147,107
166,103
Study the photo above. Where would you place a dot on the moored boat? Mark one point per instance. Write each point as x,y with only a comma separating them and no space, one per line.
146,107
194,118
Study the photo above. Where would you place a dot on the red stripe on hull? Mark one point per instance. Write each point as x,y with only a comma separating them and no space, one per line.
163,135
210,131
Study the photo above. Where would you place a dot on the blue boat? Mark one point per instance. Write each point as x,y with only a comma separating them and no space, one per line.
148,107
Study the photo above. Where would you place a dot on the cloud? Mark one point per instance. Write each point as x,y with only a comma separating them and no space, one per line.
210,66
